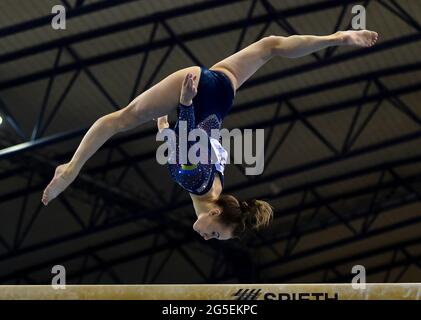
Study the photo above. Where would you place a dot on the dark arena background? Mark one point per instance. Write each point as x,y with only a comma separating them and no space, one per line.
342,144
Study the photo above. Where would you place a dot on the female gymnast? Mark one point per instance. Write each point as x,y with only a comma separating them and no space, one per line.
205,98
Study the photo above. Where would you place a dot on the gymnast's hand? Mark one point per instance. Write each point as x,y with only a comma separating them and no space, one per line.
162,123
188,90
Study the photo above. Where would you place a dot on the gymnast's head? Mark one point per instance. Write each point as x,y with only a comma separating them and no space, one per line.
231,218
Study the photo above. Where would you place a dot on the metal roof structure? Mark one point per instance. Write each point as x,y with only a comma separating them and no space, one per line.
342,143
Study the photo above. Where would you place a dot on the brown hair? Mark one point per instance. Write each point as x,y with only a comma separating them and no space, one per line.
244,215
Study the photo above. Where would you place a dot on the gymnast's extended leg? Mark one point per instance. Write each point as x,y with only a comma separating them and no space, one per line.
159,100
243,64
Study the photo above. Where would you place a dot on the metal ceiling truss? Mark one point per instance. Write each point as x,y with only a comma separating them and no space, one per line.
113,206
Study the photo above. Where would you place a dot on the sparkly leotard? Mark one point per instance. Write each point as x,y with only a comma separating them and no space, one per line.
214,99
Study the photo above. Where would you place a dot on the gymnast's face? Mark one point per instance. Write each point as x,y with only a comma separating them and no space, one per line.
209,226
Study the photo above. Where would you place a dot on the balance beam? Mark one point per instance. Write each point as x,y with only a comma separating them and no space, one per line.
373,291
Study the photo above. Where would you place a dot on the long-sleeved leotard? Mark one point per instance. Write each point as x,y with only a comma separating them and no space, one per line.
214,99
196,178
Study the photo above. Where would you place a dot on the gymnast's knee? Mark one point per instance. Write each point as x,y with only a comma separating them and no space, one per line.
273,45
127,118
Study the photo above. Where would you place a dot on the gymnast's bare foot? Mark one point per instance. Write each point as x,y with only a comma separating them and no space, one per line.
63,176
360,38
